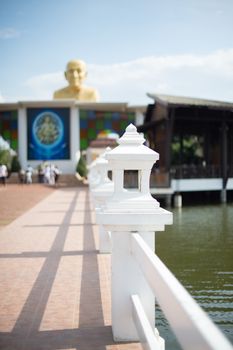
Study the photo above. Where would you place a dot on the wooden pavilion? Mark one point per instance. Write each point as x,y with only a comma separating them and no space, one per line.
194,138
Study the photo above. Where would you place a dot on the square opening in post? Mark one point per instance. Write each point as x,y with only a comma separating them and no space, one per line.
131,179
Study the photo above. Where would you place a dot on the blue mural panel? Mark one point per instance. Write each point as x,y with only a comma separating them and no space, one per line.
48,133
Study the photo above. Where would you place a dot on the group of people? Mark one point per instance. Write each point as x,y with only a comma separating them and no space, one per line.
47,173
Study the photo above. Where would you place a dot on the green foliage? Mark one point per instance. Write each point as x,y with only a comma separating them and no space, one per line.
82,167
5,158
190,152
15,164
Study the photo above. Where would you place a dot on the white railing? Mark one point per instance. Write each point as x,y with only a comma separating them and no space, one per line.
191,325
138,275
148,337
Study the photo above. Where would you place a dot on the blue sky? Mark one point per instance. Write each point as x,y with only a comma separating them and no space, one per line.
131,47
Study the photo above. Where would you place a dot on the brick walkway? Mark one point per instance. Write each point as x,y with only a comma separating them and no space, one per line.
16,199
55,286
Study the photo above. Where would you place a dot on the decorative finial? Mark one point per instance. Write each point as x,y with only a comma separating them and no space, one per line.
131,128
131,137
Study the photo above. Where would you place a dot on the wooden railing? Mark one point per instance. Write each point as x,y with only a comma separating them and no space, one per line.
195,172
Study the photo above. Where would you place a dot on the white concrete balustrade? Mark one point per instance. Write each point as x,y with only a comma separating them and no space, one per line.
137,274
102,189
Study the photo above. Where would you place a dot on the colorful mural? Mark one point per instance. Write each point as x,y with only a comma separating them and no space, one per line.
9,127
48,133
48,129
93,122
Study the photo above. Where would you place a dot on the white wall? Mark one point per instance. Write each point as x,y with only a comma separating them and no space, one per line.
22,137
67,166
192,185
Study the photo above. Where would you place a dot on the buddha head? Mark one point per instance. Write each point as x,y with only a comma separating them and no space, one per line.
75,73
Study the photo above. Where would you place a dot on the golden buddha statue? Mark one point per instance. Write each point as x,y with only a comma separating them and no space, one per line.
75,74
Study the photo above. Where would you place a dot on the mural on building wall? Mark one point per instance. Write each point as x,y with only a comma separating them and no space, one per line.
48,133
9,127
93,122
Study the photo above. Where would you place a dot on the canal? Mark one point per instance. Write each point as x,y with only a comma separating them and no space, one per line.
198,249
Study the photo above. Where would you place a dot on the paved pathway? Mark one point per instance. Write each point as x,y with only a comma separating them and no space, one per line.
54,284
16,199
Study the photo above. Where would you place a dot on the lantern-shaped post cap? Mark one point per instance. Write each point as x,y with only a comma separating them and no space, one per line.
131,136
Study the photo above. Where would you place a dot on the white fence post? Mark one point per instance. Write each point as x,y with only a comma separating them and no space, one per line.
102,189
98,171
125,212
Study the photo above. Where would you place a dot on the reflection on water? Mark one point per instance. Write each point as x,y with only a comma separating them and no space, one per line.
198,249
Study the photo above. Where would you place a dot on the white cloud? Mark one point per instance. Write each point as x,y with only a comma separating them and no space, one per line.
206,76
2,99
9,33
43,86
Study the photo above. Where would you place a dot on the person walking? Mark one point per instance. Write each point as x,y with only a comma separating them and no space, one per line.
3,173
47,174
29,172
57,173
21,175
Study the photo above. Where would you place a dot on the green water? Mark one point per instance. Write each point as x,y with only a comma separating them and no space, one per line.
198,249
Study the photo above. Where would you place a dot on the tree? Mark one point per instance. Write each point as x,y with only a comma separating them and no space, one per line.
81,167
5,158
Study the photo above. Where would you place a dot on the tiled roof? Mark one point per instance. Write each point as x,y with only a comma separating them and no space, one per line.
189,101
103,142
